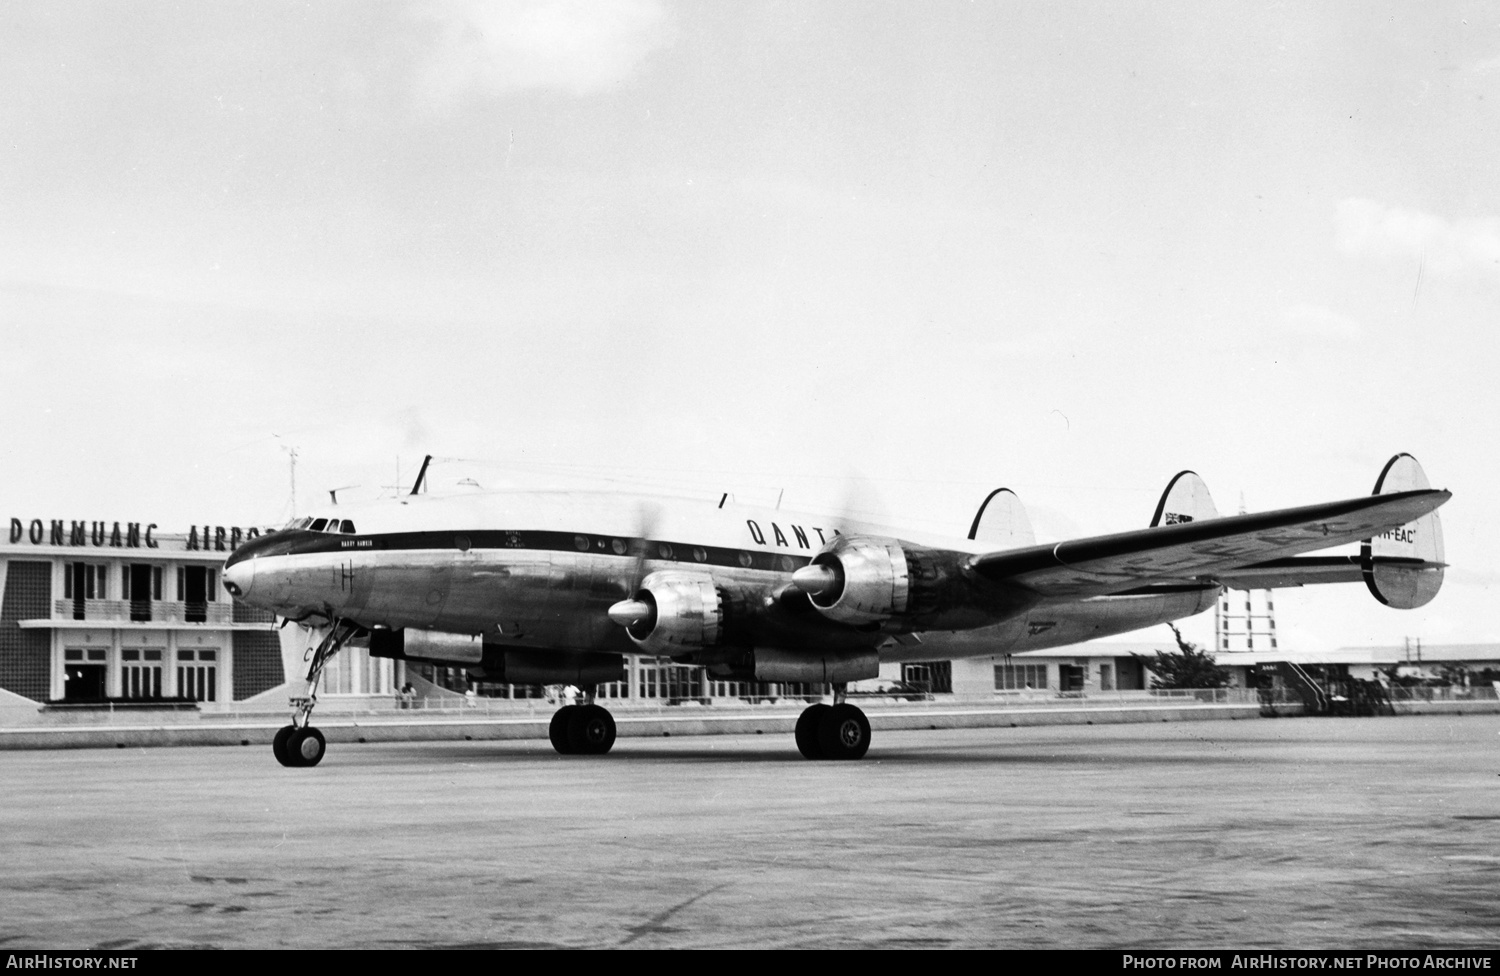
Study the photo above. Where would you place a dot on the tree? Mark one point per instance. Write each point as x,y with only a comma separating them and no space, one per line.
1187,667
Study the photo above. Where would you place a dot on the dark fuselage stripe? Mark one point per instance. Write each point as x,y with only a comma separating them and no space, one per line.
578,543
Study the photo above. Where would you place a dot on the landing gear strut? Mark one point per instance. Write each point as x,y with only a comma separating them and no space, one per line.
837,731
299,744
582,730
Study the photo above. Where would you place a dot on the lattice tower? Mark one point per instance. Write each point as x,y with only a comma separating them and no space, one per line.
1244,620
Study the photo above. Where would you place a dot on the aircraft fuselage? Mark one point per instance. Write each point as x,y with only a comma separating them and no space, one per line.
541,570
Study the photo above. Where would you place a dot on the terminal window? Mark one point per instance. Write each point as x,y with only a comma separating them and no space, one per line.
198,675
84,581
140,673
934,676
140,583
1020,677
195,589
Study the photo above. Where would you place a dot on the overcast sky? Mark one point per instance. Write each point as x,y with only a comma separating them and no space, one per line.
881,255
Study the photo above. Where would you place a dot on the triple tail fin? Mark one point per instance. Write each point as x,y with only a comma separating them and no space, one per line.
1403,567
1002,522
1185,500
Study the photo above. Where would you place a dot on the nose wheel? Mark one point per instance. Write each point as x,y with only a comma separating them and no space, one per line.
295,746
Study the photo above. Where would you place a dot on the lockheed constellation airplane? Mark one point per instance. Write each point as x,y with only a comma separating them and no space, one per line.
557,587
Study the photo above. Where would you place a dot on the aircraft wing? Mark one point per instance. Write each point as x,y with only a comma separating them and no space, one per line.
1212,551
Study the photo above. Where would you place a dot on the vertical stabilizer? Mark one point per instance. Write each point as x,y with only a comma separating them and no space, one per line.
1002,522
1185,500
1418,545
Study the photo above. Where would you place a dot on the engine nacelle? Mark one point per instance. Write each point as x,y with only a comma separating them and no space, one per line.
895,587
864,580
868,580
676,612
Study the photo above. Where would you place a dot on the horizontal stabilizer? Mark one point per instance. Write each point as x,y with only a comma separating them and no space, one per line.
1194,550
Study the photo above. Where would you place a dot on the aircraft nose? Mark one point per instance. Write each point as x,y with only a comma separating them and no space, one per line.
238,577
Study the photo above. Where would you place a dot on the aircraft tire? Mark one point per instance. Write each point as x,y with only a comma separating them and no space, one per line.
591,731
807,730
306,747
557,731
278,744
843,733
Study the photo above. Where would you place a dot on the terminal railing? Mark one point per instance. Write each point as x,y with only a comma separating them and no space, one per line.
155,611
1443,693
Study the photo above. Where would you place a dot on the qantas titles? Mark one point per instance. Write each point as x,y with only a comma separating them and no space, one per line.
798,533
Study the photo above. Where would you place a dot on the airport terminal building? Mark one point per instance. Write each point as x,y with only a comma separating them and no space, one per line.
96,611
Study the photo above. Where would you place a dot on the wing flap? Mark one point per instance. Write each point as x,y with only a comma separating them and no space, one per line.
1209,548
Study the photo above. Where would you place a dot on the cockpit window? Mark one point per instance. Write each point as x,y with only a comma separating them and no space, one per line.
347,527
318,524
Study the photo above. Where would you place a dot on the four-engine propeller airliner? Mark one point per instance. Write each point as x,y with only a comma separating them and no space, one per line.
554,588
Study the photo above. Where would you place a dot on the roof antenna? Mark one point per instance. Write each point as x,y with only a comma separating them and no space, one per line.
421,474
292,453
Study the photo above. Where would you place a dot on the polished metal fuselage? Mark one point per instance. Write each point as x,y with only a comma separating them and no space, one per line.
540,570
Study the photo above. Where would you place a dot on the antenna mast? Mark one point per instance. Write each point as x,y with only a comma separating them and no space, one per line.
292,454
421,474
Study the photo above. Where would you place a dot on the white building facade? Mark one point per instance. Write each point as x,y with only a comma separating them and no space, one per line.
106,611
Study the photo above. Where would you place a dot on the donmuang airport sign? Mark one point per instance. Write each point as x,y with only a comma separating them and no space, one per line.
123,535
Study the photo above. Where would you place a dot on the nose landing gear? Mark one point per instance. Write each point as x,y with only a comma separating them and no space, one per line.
299,744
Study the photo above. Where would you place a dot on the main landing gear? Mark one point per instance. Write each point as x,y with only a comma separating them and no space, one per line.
299,744
837,731
582,730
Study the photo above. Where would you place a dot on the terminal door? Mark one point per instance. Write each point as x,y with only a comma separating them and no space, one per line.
83,674
193,583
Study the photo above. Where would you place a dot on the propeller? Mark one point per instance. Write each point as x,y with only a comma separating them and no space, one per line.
818,579
633,611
